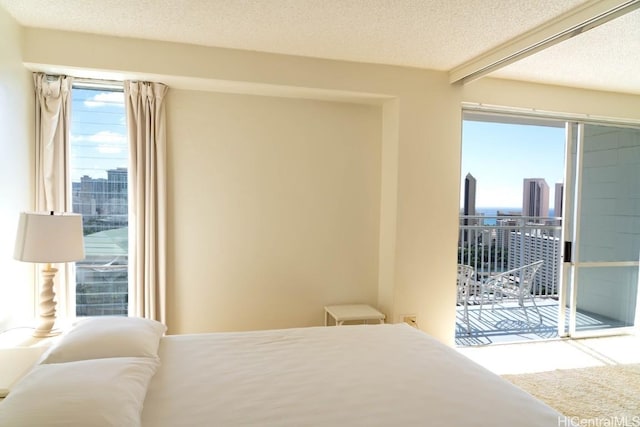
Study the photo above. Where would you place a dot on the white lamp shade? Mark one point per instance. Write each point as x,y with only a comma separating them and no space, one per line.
47,238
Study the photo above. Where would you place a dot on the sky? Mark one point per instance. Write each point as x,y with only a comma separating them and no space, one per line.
98,133
500,156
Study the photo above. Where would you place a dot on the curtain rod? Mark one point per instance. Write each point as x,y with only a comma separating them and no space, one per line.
545,114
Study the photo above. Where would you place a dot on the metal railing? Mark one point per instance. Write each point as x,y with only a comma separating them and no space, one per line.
101,289
494,244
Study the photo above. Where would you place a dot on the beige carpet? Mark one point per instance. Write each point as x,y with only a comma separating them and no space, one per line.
602,392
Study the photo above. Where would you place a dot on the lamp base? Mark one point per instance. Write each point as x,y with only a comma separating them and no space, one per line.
45,327
46,334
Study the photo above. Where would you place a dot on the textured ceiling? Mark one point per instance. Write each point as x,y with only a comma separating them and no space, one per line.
434,34
604,58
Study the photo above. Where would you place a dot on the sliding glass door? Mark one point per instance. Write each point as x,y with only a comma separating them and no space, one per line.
601,256
589,240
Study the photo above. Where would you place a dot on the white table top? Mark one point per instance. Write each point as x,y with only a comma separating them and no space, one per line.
353,312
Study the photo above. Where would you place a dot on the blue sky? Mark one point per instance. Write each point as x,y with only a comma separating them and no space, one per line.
98,133
501,155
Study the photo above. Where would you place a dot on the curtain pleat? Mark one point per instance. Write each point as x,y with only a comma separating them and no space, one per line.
147,199
52,117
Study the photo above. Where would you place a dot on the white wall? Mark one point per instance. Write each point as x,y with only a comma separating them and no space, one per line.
274,209
16,172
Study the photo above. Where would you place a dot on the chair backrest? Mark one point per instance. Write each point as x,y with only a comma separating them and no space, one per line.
465,272
518,280
526,275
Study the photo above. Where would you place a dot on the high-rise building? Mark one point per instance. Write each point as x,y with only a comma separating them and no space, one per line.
557,206
469,195
102,197
535,197
469,207
534,245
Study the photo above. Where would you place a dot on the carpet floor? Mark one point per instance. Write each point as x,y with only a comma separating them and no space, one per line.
609,392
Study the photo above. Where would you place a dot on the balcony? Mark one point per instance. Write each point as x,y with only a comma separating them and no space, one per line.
493,245
507,323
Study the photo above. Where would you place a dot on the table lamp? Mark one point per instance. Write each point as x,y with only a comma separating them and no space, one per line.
49,238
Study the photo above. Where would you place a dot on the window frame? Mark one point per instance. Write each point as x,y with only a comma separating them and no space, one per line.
71,291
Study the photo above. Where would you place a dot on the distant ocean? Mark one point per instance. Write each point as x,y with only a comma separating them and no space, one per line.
492,212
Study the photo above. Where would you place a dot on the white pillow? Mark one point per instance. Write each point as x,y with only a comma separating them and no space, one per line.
88,393
107,336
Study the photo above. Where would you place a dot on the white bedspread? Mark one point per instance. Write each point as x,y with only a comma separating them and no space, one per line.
370,375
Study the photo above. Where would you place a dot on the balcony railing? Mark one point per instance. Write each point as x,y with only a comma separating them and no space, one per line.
493,244
101,289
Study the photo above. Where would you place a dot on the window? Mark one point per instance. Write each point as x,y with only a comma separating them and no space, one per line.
99,157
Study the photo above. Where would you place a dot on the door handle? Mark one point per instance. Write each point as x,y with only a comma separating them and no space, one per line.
567,251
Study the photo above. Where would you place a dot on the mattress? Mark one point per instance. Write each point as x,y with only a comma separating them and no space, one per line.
365,375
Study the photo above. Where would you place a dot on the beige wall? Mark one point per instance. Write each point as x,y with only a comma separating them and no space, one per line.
273,207
219,253
16,173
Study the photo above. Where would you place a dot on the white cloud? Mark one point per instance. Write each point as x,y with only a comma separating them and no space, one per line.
107,142
104,98
106,136
109,149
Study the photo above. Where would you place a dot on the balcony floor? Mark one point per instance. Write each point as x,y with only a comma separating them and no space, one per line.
507,323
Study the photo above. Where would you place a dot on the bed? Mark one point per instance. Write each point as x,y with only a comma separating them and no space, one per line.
365,375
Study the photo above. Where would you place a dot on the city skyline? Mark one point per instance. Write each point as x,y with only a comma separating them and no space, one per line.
107,171
535,200
501,155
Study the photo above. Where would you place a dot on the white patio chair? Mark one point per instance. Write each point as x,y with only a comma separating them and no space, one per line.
465,273
515,283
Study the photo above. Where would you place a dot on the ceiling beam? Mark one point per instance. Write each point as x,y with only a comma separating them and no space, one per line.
583,18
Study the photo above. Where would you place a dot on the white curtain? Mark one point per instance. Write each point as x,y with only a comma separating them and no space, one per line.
53,110
147,199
